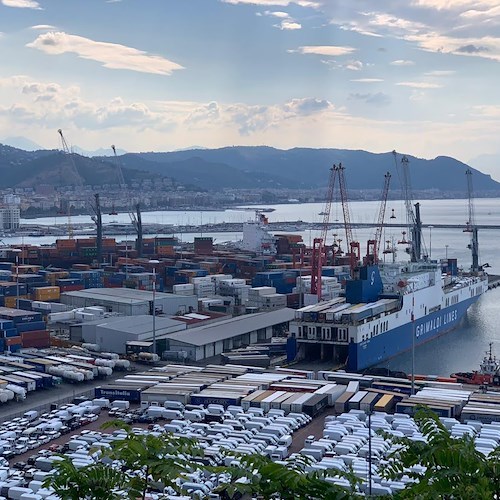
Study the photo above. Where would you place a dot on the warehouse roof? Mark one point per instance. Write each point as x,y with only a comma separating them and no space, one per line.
140,324
233,327
124,295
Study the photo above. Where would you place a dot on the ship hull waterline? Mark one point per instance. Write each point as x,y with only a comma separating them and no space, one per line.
380,348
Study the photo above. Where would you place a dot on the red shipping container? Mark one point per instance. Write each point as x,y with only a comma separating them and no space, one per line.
39,343
12,341
35,334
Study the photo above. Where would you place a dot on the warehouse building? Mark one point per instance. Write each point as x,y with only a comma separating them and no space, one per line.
111,334
130,302
212,339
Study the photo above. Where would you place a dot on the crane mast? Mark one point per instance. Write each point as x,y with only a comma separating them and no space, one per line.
134,212
97,218
68,153
470,225
373,246
352,245
319,244
412,218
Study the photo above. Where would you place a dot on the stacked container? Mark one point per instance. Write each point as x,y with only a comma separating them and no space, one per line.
90,279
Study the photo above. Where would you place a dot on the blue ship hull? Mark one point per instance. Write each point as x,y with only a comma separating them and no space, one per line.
393,342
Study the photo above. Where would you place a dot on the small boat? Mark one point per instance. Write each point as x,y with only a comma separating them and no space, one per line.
488,373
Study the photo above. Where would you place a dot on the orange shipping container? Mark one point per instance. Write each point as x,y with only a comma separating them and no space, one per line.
11,302
47,293
12,341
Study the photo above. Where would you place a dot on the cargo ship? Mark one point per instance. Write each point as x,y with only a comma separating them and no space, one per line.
488,373
388,308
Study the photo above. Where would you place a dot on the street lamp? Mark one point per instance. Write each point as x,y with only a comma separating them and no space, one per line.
154,263
430,242
370,453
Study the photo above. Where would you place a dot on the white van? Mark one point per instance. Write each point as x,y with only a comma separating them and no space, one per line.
31,415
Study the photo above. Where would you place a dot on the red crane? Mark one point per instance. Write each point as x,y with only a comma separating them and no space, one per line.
319,244
373,246
352,246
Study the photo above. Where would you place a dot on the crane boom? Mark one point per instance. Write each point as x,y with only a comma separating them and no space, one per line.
134,212
319,247
352,246
381,214
373,246
69,154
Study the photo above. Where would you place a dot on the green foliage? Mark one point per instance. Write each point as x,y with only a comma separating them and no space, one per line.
259,475
90,482
454,468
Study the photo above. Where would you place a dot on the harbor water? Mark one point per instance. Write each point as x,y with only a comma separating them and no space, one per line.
460,350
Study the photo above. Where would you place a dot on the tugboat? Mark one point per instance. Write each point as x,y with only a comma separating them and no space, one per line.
488,373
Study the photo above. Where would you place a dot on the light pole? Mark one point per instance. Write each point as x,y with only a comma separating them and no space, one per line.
17,251
154,263
430,242
412,341
370,453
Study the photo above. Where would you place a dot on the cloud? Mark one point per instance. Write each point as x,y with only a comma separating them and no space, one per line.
22,4
487,111
419,85
354,65
111,55
208,112
279,3
367,80
42,27
472,49
378,99
306,106
290,25
326,50
440,72
280,14
402,62
486,46
287,22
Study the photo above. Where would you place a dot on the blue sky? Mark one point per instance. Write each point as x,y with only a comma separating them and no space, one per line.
418,76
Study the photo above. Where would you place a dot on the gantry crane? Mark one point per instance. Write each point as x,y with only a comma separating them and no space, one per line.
470,225
353,247
95,205
373,246
67,205
413,220
134,211
319,244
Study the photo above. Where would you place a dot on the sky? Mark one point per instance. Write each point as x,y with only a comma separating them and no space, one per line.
417,76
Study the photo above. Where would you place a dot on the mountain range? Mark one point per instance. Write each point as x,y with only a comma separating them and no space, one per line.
242,167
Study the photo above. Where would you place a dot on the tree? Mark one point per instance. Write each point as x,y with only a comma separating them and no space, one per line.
453,466
259,475
96,481
158,458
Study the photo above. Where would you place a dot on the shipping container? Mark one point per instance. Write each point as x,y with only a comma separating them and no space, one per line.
113,392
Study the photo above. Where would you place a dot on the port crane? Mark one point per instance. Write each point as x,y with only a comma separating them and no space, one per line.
65,207
373,246
319,244
413,220
470,225
353,247
134,211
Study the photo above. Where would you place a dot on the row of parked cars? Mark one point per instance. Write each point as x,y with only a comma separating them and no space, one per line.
32,430
223,433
